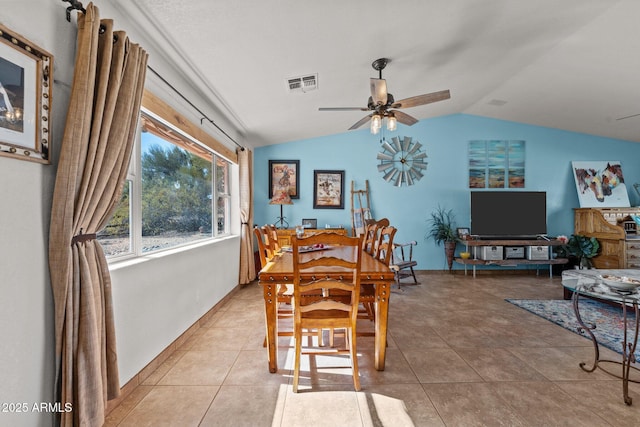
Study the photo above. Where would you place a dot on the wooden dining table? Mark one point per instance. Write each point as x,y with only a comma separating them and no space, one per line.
279,270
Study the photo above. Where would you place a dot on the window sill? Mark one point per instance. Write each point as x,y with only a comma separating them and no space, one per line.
127,261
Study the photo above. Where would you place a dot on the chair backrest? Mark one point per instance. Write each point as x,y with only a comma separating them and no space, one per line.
372,234
270,240
322,265
384,247
262,248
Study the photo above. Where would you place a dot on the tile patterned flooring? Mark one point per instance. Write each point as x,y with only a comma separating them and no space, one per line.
458,355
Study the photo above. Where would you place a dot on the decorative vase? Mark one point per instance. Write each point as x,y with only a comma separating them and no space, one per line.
449,250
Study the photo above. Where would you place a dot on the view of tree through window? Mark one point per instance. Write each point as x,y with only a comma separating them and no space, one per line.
177,182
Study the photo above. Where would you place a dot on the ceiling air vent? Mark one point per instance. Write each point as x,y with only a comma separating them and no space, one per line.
302,84
497,102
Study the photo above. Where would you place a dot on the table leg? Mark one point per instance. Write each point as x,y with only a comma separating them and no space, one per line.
586,328
628,351
382,317
271,322
628,346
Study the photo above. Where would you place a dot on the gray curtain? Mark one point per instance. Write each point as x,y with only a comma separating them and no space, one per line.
98,139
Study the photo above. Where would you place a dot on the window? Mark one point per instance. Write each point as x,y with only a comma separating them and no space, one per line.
178,180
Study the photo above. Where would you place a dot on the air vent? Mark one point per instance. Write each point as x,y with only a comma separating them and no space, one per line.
302,84
497,102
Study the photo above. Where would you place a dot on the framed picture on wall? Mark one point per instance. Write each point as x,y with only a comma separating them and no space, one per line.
328,189
26,79
284,173
600,184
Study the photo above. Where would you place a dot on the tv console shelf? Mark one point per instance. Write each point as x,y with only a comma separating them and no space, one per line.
510,261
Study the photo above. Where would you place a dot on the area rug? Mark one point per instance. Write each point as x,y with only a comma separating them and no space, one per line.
609,329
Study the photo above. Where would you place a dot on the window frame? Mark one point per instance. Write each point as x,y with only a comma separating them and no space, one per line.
158,110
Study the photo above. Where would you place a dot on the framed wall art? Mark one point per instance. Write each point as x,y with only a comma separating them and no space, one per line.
600,184
284,173
328,189
496,164
26,77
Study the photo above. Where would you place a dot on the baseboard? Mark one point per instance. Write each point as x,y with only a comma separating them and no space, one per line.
491,272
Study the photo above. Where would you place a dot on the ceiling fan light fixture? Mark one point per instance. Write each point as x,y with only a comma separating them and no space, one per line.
376,124
392,123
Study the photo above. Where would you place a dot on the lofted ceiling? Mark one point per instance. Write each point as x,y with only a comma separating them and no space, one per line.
570,64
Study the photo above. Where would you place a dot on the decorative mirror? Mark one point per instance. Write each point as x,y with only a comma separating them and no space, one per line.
402,161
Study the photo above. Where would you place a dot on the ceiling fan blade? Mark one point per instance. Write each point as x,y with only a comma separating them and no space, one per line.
378,91
360,122
404,118
343,109
427,98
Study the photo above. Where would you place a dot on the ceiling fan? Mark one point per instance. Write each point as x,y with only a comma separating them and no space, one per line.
382,104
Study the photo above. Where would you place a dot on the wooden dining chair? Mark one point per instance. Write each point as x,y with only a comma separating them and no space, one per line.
331,310
284,291
262,247
384,246
372,234
272,235
384,253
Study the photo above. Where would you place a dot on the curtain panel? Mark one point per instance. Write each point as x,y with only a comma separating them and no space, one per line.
247,265
96,148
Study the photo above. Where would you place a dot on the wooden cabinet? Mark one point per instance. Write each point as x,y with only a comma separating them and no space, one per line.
616,233
284,234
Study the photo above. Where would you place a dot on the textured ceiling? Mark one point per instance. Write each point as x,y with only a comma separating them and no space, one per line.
571,64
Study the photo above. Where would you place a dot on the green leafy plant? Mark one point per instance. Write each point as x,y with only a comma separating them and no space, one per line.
442,226
584,248
442,230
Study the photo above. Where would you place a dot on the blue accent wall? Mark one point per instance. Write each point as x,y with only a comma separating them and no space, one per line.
548,156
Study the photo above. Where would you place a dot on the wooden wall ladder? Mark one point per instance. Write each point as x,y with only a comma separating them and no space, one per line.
360,213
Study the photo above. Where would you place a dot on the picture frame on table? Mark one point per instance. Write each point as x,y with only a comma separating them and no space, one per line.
463,233
328,189
284,173
309,223
26,81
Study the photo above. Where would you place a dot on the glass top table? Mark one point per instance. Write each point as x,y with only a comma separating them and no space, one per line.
616,287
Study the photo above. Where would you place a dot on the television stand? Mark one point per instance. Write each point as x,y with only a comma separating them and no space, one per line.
527,244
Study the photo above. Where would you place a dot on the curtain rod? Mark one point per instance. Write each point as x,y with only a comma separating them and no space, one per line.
77,5
204,116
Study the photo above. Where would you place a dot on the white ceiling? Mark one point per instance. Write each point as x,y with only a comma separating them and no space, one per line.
570,64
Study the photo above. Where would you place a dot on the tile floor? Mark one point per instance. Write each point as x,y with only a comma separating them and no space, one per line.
458,355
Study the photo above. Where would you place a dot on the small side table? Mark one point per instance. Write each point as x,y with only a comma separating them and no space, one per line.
587,283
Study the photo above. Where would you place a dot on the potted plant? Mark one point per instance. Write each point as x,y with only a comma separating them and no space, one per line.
443,231
584,248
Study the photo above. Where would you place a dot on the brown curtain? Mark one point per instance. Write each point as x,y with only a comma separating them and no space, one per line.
247,266
98,138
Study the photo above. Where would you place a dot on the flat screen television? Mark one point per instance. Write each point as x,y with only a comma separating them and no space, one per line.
508,214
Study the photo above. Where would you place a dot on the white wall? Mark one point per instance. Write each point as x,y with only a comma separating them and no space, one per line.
154,300
26,300
157,298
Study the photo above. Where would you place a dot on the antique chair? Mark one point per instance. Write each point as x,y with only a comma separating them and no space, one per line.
402,262
338,306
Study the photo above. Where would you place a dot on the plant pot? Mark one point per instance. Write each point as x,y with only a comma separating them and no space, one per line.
449,250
